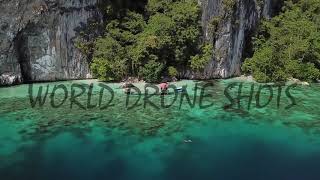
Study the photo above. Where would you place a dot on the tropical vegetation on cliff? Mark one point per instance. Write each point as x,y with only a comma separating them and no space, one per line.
288,45
153,39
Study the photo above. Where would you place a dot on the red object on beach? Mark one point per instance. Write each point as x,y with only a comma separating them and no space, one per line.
164,86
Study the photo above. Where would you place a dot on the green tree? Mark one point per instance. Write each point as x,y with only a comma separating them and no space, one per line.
109,62
172,71
152,70
288,45
167,33
199,61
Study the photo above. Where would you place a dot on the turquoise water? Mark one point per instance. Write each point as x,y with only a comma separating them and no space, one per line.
162,144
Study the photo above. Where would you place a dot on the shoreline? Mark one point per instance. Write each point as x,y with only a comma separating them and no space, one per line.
242,78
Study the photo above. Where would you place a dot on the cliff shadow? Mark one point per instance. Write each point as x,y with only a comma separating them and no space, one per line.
23,55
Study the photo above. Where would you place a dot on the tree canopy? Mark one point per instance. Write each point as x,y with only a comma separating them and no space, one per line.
149,41
288,45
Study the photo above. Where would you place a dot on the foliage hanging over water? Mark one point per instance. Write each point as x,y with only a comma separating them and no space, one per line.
146,40
288,45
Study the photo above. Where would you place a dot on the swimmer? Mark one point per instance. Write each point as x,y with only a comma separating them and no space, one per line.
188,141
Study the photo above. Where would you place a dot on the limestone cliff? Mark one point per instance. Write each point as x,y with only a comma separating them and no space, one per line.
37,39
229,26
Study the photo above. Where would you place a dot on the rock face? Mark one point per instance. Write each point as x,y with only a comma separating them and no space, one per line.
37,39
229,26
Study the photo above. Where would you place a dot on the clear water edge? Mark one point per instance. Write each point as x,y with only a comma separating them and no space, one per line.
149,143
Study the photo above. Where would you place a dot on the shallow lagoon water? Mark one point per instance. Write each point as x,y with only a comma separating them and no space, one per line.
147,143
